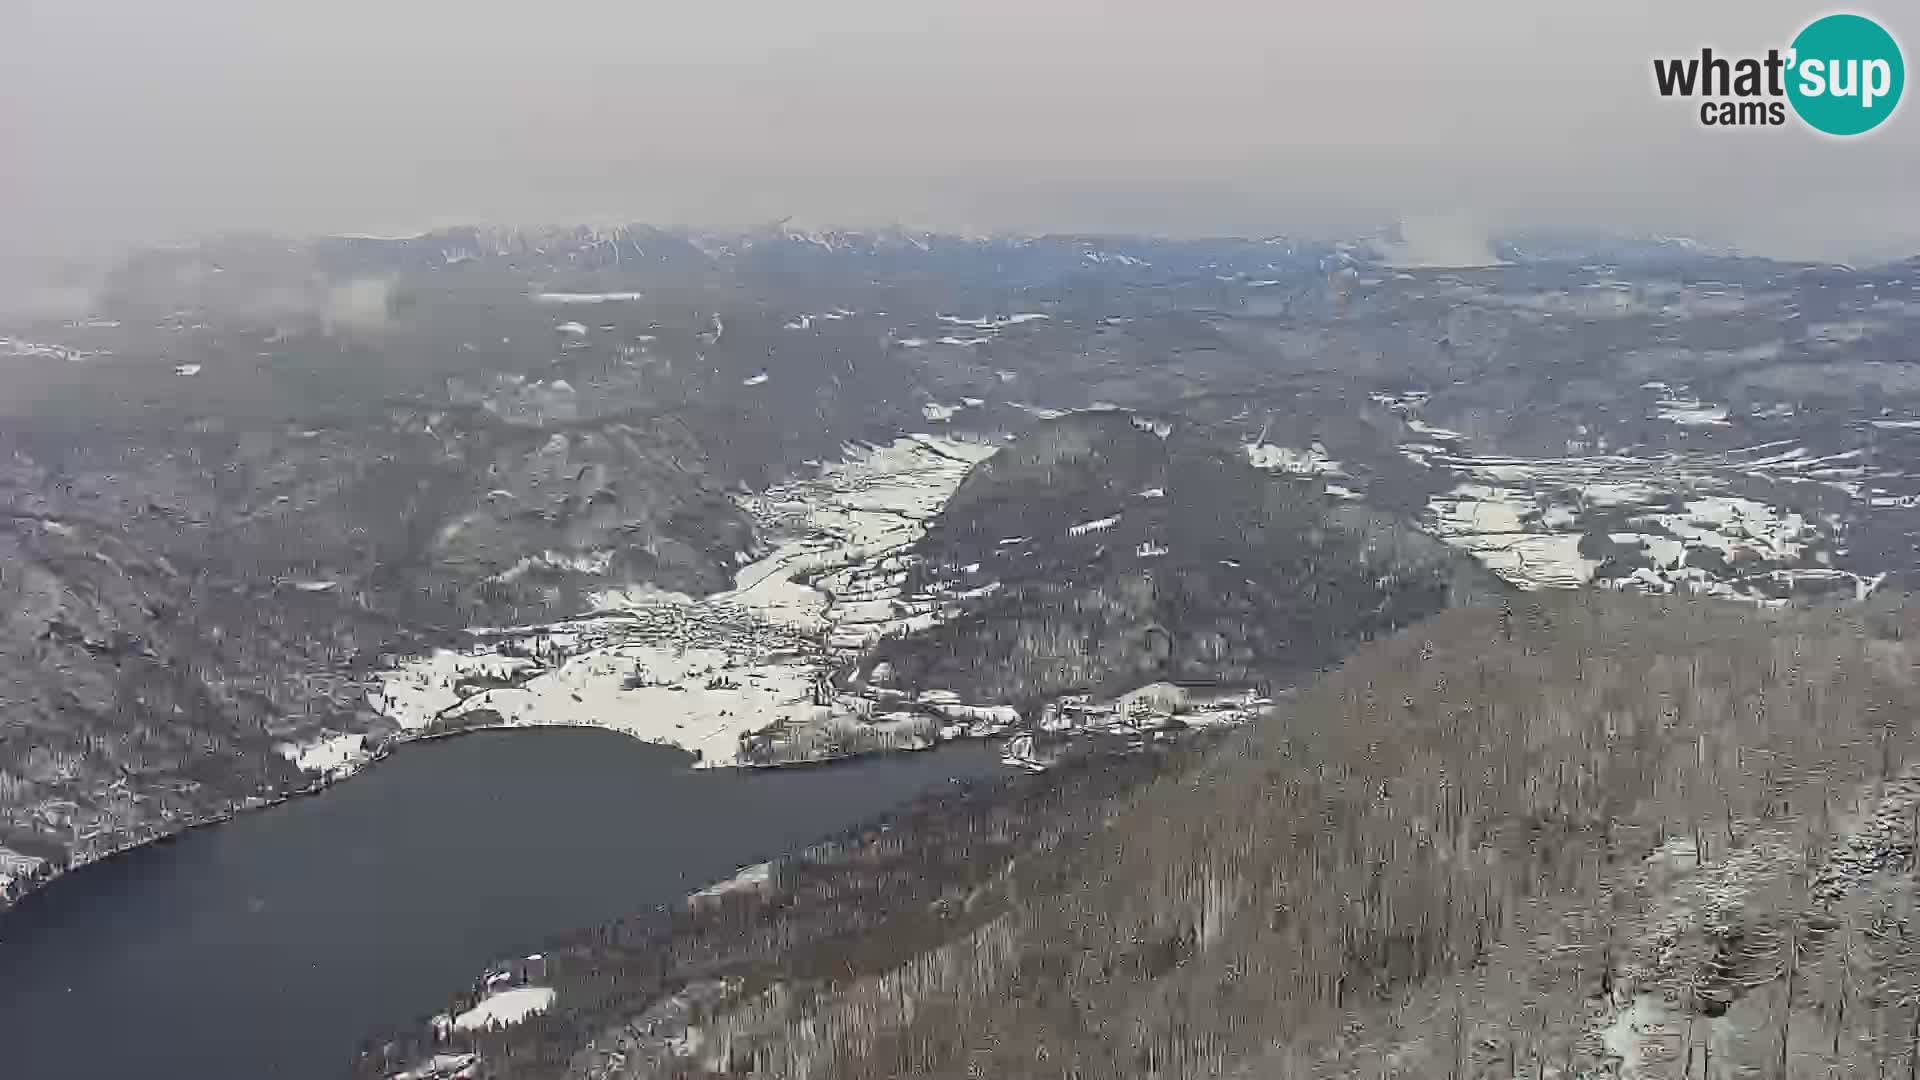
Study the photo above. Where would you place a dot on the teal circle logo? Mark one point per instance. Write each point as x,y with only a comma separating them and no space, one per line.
1846,75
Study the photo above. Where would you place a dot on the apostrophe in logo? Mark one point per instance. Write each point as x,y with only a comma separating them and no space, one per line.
1842,75
1847,74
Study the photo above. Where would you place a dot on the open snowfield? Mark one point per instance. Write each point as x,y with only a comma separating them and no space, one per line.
332,756
505,1008
1716,523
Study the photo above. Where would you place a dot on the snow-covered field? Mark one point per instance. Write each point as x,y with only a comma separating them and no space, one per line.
505,1008
1679,407
1313,461
12,346
15,866
755,878
441,1067
332,756
1713,523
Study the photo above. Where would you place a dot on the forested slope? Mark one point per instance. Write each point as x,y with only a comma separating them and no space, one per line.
1106,549
1529,841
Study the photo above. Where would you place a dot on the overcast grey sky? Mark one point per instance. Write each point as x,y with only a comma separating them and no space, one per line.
144,120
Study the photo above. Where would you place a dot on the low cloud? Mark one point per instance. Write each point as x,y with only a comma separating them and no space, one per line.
1442,240
362,303
200,116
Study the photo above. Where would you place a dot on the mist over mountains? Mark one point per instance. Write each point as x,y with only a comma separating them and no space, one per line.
273,506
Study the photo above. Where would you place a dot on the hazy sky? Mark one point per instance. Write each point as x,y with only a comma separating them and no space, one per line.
142,120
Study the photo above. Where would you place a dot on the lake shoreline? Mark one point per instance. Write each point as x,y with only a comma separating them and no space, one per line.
384,749
389,898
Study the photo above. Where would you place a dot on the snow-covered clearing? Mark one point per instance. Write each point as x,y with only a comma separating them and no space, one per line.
1312,461
505,1008
332,756
1158,428
1094,526
1690,412
1696,522
585,562
440,1067
1625,1037
754,878
15,866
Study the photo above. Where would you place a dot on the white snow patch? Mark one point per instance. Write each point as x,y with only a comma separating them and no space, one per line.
1096,525
1421,427
1626,1036
1731,524
1040,411
1490,522
1115,258
584,562
990,322
415,694
1513,503
804,322
635,596
584,298
1160,428
332,755
1312,461
439,1067
1690,411
1536,560
15,866
754,878
505,1008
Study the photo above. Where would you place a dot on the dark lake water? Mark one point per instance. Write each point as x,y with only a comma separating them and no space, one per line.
270,945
